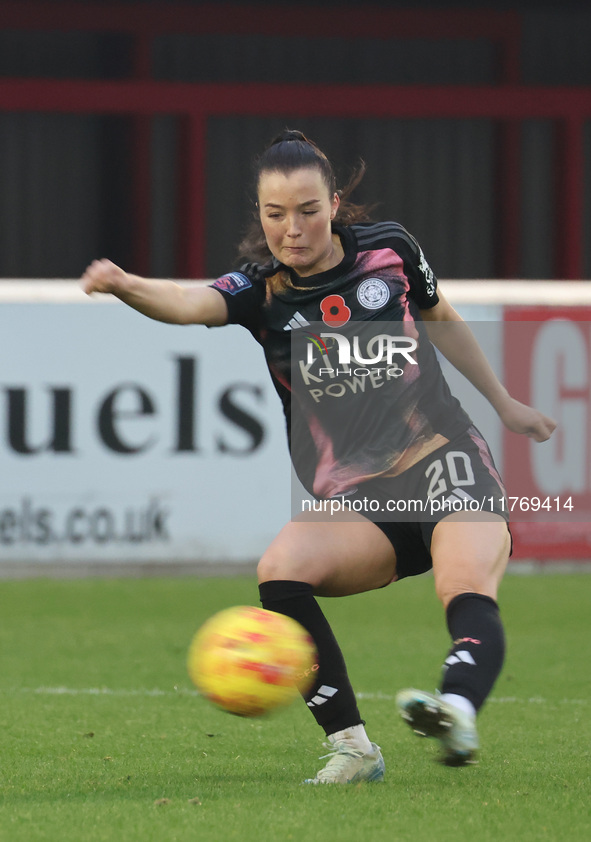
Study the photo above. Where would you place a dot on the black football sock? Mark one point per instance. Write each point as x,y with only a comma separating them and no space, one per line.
476,657
331,698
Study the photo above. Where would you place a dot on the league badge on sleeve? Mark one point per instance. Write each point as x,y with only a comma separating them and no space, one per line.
232,283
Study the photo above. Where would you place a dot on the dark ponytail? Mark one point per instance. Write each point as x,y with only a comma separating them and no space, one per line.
289,151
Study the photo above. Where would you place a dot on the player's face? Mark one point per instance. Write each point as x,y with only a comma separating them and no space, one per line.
296,211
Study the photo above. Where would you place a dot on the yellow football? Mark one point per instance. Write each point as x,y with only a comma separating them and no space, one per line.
249,661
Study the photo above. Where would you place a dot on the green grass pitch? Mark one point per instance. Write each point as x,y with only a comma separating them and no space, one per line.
103,738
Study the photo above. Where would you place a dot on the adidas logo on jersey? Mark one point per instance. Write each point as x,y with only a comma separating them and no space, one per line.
297,321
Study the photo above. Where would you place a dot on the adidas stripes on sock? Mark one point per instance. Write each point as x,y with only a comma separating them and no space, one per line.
476,657
331,698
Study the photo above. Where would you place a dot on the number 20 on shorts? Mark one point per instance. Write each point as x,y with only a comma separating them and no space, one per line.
459,470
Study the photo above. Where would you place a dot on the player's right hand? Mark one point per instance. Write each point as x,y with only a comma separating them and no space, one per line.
527,420
103,276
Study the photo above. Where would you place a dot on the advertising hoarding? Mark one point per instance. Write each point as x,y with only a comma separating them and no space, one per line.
126,439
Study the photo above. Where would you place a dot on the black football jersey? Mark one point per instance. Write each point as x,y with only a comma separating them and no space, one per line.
361,387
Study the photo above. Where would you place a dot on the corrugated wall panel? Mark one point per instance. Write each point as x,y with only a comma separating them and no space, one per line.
164,218
587,203
65,181
538,203
50,194
433,176
258,58
63,55
555,47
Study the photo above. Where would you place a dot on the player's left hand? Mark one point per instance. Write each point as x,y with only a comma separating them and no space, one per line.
520,418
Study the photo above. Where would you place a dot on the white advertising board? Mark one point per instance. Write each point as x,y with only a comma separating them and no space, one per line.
126,439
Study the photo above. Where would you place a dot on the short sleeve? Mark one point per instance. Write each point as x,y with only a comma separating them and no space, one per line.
422,280
243,293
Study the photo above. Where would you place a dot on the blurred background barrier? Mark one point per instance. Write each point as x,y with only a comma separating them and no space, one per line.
128,129
126,441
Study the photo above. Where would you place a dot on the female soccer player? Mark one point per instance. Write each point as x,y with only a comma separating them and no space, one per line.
372,430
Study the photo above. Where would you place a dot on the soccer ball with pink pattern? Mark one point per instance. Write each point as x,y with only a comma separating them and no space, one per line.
249,661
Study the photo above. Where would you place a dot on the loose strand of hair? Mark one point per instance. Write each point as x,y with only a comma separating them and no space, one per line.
349,213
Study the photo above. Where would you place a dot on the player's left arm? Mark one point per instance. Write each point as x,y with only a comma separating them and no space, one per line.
458,344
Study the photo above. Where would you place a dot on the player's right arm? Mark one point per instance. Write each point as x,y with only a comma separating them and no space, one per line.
165,301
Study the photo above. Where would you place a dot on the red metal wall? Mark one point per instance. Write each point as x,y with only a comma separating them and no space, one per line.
508,102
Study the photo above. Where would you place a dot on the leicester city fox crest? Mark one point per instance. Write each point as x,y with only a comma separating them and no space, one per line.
373,293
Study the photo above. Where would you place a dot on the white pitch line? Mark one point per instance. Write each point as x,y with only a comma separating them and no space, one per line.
97,691
180,691
502,700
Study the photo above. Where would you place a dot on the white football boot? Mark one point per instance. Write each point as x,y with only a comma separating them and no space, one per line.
349,765
430,716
